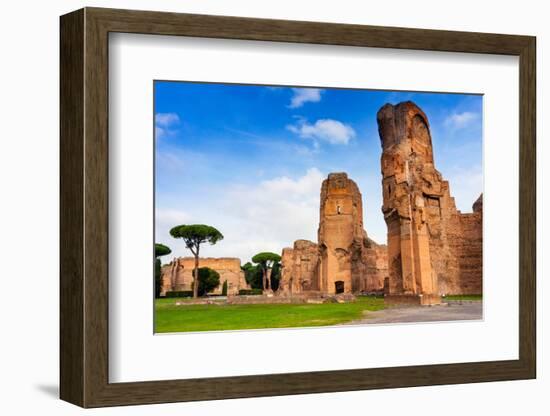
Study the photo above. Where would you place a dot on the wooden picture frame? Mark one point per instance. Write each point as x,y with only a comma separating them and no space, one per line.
84,207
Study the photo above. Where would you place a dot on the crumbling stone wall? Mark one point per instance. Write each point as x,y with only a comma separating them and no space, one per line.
428,238
300,268
344,259
178,274
375,260
468,246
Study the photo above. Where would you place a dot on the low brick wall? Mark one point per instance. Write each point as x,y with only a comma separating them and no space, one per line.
313,298
412,300
262,299
302,298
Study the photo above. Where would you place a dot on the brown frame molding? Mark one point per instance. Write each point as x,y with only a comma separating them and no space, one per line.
84,207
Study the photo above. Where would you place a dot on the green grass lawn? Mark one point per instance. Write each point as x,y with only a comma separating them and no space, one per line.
463,297
172,318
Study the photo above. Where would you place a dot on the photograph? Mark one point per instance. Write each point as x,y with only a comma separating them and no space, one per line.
292,206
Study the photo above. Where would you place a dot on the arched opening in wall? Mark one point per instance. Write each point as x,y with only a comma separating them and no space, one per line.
339,286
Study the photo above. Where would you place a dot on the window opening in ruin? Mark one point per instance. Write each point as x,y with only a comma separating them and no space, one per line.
338,209
339,286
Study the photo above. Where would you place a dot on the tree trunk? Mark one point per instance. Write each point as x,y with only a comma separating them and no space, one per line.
196,276
173,274
268,278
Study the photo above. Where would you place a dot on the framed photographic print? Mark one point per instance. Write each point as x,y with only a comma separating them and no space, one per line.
254,207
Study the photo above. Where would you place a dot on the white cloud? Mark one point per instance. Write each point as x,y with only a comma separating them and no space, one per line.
171,217
173,162
159,132
166,119
165,219
164,123
460,120
272,215
283,185
328,130
304,95
267,216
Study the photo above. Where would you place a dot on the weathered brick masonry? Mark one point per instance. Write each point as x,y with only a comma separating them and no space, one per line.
433,248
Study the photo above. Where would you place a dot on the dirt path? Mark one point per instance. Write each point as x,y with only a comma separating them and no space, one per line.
453,311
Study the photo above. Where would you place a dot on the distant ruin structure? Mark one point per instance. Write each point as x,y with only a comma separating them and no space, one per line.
433,248
300,271
344,259
178,274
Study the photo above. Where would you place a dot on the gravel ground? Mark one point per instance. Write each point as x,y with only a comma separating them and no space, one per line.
452,311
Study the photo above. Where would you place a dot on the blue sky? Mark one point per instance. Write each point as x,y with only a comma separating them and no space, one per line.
250,160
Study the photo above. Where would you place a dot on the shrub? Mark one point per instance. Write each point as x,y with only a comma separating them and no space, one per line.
158,278
209,279
253,275
180,294
161,250
224,288
250,292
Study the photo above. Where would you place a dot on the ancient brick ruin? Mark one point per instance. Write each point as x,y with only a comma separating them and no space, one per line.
300,270
433,248
344,260
178,274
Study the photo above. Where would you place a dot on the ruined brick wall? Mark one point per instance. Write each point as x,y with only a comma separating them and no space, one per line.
178,274
375,260
300,268
340,235
428,238
344,259
407,170
468,246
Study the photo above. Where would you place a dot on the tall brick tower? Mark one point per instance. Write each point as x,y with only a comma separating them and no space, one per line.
344,259
410,186
433,248
340,235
